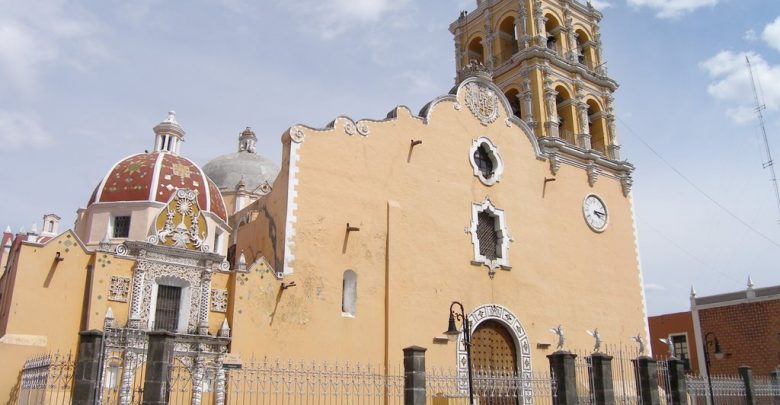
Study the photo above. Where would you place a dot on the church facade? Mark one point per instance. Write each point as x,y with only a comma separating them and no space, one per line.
507,195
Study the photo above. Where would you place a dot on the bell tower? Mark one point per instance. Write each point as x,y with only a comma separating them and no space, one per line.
546,57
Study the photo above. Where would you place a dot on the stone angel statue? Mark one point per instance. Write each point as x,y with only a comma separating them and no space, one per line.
596,335
669,344
559,331
638,338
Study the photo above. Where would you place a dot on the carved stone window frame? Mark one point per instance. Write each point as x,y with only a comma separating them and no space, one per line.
495,157
502,234
185,304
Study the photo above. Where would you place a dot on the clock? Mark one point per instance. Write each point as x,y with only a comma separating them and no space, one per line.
595,212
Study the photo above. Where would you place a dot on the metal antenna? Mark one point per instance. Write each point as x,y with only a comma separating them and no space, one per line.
759,107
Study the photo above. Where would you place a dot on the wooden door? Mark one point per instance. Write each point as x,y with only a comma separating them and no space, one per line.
494,361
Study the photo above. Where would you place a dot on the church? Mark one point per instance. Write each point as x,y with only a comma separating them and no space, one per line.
508,195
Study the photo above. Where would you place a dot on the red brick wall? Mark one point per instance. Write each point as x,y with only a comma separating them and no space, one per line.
748,333
672,324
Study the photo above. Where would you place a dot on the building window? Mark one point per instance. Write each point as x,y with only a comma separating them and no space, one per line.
485,161
166,315
349,294
680,343
489,236
121,226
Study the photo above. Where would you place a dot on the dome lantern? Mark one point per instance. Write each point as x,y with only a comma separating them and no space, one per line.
168,135
247,141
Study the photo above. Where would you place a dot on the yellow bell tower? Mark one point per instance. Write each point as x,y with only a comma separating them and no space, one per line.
546,57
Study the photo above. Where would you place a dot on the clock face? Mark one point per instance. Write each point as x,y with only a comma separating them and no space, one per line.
595,213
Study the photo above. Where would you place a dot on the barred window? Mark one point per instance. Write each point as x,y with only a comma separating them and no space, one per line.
483,161
122,226
488,238
680,343
166,315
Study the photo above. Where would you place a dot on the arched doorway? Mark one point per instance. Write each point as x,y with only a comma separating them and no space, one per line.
499,345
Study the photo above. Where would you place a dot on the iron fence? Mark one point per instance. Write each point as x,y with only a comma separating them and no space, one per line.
726,389
766,390
495,387
123,367
47,379
265,381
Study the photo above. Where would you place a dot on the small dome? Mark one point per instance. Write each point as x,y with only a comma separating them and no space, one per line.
245,166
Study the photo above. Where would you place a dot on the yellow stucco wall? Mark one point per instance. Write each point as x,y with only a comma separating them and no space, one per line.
412,256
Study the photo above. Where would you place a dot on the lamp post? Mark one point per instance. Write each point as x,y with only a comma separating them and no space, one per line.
453,332
711,340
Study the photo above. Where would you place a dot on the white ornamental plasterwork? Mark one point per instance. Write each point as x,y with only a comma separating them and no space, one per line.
219,299
297,135
512,324
184,225
119,289
349,128
482,102
156,270
362,128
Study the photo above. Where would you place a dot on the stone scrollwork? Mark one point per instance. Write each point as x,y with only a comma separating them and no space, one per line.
349,128
297,135
626,181
362,128
482,102
121,250
555,162
119,289
181,223
219,299
593,173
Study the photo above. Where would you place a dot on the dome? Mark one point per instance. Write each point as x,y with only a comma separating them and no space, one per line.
230,169
157,175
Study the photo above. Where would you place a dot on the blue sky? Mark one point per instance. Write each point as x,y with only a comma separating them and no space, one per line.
83,82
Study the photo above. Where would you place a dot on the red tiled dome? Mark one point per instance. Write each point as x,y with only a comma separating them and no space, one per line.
155,177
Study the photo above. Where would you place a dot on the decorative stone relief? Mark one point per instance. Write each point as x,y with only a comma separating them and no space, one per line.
593,173
121,250
482,102
626,181
189,275
362,128
119,289
181,224
349,128
296,134
219,299
555,162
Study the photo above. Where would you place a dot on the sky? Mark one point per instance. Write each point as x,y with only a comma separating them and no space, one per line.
83,82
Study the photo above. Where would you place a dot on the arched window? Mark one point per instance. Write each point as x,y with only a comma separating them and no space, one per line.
513,96
584,49
476,50
349,294
486,161
553,29
566,114
597,127
507,36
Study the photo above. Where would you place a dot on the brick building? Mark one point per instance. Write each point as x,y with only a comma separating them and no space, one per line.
736,328
679,328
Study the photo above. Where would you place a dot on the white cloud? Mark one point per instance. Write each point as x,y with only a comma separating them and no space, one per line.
771,34
654,287
18,129
750,35
600,4
672,8
731,82
332,18
41,33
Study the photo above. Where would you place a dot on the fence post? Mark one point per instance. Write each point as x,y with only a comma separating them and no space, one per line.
87,373
414,375
602,379
647,380
775,376
747,377
159,359
562,368
677,383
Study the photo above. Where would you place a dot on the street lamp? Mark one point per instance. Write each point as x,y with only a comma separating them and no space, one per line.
711,340
453,332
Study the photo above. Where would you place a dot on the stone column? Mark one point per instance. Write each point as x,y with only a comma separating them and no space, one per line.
541,31
775,376
137,296
414,375
750,390
87,372
197,379
677,383
219,384
130,360
562,367
522,26
583,138
552,108
159,360
601,379
646,380
203,306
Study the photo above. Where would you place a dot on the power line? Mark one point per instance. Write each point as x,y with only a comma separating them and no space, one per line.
697,188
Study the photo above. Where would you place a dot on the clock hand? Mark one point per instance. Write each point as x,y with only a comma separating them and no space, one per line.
598,213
